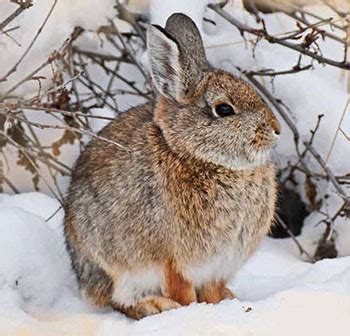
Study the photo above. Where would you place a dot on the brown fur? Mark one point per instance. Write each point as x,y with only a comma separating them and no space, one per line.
147,307
171,220
177,287
214,292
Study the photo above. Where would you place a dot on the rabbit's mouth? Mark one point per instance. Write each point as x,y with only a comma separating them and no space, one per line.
244,162
260,157
260,153
274,140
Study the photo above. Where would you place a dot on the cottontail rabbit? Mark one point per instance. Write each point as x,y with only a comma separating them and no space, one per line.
172,219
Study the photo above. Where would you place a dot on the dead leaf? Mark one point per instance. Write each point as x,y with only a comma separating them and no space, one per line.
311,193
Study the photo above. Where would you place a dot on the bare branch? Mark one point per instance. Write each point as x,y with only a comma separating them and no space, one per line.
14,68
23,5
262,33
329,173
74,129
296,241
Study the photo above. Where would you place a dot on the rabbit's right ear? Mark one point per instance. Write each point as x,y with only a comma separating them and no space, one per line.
174,74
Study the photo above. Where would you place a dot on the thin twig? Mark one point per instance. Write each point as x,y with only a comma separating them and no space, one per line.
329,173
74,129
296,241
261,33
23,5
54,213
14,68
272,73
11,185
33,164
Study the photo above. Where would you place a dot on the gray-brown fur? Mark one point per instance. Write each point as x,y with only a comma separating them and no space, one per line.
178,197
188,38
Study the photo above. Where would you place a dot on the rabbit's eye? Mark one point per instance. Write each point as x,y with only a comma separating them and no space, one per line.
223,110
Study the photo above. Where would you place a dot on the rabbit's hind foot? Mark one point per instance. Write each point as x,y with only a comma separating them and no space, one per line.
96,287
214,292
148,306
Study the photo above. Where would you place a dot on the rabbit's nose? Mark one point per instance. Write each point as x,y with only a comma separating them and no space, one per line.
276,126
272,122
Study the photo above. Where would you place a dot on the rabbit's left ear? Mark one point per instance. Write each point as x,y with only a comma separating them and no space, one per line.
186,33
174,73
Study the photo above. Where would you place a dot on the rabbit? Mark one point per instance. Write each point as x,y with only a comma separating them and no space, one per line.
169,221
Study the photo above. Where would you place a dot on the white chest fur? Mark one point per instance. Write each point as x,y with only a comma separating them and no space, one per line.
222,266
133,286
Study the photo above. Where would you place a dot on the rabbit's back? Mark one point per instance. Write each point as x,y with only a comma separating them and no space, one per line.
114,199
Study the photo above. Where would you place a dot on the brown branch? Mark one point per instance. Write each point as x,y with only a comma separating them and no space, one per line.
123,79
304,12
262,33
295,240
38,145
329,173
132,18
77,31
271,73
24,151
335,9
74,129
103,57
308,24
305,151
15,66
23,5
48,109
26,78
11,185
54,214
130,53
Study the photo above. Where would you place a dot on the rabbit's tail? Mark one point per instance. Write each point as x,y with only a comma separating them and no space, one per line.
93,281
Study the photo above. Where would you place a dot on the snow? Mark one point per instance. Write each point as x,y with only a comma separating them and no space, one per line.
160,10
65,16
277,292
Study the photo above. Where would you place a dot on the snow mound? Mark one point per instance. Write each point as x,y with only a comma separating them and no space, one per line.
31,260
278,293
65,16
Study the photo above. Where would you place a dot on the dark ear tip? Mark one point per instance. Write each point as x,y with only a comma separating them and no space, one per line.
155,27
178,16
179,19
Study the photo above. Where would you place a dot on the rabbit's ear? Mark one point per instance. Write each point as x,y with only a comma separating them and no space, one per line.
174,74
186,33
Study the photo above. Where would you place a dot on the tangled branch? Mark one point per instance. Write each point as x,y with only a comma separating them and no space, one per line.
72,100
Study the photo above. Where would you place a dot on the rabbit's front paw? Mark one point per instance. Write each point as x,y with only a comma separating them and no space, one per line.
214,292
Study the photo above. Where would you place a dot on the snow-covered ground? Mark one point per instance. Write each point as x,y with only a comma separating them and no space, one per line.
277,293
